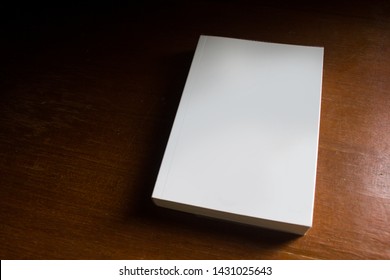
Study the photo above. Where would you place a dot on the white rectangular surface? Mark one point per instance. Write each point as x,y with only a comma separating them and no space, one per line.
243,146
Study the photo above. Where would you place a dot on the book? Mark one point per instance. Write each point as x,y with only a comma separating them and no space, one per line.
244,143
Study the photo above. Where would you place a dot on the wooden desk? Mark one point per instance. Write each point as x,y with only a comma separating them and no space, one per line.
88,97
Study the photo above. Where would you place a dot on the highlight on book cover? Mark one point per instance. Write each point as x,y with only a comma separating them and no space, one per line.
244,143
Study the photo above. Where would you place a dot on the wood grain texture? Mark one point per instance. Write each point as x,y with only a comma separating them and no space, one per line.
88,96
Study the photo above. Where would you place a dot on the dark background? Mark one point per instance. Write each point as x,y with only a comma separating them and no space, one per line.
88,94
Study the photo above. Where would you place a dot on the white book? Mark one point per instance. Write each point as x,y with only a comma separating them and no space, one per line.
244,143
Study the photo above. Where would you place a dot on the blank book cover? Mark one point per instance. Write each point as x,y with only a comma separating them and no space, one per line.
244,143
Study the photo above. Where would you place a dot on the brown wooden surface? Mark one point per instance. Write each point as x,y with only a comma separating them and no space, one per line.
88,96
